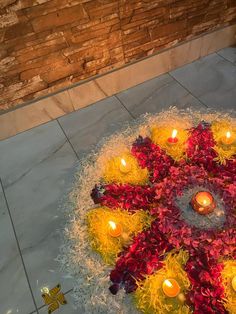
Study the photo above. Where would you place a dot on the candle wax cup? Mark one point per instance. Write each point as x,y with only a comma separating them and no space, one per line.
171,288
115,230
203,203
124,166
234,283
172,140
228,139
203,199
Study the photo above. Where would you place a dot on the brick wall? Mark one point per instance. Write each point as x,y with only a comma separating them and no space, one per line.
46,45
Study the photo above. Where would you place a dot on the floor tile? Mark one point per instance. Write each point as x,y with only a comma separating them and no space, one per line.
15,296
34,114
229,54
88,126
69,308
37,170
156,95
212,79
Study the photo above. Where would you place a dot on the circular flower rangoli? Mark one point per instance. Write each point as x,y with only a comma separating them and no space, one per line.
160,226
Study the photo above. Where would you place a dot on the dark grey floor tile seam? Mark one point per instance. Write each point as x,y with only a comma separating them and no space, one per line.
18,246
189,91
35,165
68,140
225,58
123,105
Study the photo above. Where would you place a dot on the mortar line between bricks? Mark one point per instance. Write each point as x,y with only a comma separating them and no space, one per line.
123,105
188,91
68,139
18,246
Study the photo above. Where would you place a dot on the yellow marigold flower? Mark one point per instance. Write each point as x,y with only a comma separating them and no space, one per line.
101,219
219,130
125,169
160,135
228,273
149,295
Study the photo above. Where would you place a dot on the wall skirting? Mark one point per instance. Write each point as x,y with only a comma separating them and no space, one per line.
98,88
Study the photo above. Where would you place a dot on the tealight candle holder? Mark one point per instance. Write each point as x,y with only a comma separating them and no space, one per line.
234,283
228,139
203,203
124,166
171,288
115,230
173,139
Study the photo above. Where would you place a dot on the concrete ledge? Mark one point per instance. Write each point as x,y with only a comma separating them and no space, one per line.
98,88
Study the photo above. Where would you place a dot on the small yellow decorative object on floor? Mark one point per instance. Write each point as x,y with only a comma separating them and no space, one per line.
53,298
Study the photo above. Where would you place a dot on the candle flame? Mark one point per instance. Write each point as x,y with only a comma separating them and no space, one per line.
204,202
112,224
123,162
168,283
174,133
228,134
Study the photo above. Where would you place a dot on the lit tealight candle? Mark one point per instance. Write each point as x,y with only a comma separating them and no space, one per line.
124,166
203,203
228,139
171,287
173,139
115,230
234,283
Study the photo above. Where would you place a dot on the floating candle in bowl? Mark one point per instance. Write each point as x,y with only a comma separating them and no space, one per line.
115,230
171,288
173,139
234,283
227,139
203,203
124,166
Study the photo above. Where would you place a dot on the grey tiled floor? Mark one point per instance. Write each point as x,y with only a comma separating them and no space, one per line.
37,167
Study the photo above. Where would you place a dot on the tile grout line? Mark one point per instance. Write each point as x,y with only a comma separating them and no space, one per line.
68,291
224,58
18,246
188,91
115,95
67,139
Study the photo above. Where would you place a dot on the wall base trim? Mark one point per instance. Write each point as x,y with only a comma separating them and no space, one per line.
89,92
